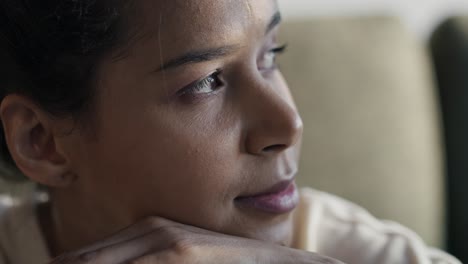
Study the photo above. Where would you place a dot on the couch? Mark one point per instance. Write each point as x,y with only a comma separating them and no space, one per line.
369,94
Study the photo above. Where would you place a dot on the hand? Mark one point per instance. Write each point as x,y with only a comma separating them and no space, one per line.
157,240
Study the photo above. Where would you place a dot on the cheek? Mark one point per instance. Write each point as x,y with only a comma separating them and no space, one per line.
182,166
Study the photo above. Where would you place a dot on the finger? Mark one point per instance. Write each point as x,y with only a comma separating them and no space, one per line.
139,229
144,226
164,257
315,258
153,243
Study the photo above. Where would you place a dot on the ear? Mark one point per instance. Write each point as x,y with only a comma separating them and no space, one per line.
29,134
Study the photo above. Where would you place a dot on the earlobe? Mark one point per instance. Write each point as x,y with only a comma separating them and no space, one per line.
31,141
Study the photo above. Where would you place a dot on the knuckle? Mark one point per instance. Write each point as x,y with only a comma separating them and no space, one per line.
184,246
179,241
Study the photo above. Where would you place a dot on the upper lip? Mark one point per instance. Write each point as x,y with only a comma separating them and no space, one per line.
276,188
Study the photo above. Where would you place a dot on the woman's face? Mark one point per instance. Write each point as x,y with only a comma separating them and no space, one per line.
195,116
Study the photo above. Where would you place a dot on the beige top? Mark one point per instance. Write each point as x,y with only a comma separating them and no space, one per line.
326,224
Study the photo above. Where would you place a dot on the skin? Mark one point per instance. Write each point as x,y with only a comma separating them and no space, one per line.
151,150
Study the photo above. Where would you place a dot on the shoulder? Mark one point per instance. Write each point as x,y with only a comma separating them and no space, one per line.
20,232
6,203
338,228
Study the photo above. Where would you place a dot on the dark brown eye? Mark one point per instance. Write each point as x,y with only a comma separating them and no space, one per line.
206,85
268,61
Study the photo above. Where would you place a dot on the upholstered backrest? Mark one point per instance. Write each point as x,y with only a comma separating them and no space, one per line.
364,87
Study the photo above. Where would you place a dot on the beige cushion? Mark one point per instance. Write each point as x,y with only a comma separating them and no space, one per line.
365,90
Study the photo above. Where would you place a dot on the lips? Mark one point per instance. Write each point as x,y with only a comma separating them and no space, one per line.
281,198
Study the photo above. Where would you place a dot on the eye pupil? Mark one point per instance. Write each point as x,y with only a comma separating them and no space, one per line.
205,86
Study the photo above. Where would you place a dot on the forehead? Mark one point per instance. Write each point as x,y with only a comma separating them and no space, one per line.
182,23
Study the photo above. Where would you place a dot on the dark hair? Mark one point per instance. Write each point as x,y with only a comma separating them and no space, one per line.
50,50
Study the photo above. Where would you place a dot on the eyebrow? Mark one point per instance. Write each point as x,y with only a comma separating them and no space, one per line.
212,54
275,21
198,56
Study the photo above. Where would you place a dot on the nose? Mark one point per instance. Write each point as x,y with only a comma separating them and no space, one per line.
274,123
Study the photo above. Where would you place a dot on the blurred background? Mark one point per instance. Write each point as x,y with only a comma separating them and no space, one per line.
382,86
420,16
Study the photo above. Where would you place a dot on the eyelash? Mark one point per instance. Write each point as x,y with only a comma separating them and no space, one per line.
213,79
276,51
280,50
196,87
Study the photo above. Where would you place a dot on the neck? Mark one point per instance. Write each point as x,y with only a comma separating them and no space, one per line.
63,226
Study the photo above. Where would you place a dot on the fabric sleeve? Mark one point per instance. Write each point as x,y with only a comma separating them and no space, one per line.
440,257
4,201
339,229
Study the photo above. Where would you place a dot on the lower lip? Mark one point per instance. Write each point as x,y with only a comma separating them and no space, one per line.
281,202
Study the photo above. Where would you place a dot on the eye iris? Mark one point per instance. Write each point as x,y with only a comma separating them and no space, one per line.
207,85
210,80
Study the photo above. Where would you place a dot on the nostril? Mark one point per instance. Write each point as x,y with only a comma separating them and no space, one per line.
275,148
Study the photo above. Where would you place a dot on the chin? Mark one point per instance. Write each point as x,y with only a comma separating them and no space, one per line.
282,236
280,232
